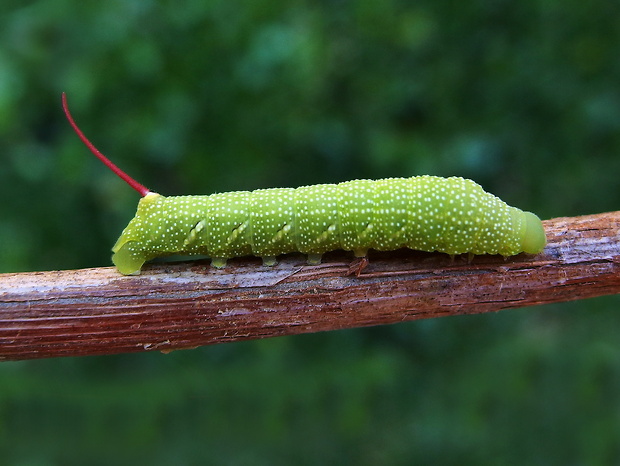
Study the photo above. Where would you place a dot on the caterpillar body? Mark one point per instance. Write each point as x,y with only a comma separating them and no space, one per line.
427,213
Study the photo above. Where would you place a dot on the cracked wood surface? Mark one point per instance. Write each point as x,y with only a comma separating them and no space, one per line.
188,304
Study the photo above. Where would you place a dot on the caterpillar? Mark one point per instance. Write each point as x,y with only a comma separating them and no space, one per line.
428,213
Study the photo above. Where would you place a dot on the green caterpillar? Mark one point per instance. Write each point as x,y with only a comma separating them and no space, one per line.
427,213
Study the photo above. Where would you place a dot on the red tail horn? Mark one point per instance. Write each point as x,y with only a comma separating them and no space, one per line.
143,190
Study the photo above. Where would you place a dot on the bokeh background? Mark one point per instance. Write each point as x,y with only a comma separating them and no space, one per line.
198,96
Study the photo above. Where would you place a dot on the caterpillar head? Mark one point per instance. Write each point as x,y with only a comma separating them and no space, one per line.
533,239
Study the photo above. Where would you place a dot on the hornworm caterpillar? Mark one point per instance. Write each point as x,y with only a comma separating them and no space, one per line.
427,213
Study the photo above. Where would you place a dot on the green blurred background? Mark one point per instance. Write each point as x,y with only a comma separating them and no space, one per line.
201,96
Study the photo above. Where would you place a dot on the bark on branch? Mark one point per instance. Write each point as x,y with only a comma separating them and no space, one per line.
185,305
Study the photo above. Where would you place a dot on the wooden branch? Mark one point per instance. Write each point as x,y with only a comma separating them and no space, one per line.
185,305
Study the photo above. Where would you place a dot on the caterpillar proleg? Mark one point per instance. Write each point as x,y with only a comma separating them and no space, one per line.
428,213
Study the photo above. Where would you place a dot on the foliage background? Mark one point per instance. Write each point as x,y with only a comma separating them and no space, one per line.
199,97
